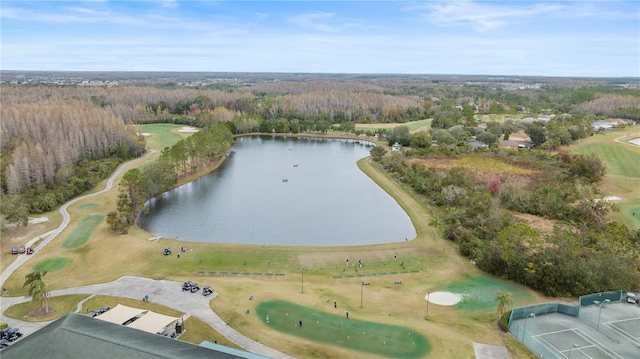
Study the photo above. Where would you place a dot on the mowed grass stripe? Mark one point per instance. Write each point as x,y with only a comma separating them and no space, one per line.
82,232
332,329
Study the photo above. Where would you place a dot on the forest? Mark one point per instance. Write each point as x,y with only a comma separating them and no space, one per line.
58,141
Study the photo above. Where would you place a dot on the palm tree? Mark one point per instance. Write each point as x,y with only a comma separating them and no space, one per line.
37,288
504,301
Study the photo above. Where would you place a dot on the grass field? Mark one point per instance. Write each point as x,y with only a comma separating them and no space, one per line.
61,305
53,264
81,233
337,329
436,262
623,170
413,126
162,135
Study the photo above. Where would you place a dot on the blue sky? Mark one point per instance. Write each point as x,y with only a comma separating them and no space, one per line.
550,38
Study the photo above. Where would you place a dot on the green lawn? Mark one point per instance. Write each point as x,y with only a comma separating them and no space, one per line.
53,264
621,160
478,293
61,305
82,232
352,333
161,135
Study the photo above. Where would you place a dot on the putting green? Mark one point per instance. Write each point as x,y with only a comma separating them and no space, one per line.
53,264
331,329
478,293
82,232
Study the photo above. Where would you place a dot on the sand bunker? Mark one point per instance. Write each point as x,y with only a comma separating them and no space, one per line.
188,129
443,298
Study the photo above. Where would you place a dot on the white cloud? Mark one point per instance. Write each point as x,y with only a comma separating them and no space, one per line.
482,15
315,20
170,4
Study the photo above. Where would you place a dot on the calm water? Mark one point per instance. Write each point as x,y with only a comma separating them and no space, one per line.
283,191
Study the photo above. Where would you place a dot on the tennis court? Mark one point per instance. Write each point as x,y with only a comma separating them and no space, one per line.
575,343
610,331
628,328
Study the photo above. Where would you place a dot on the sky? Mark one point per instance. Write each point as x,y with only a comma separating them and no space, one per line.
525,38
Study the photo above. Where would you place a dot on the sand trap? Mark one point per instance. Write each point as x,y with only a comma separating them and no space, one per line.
443,298
38,220
188,129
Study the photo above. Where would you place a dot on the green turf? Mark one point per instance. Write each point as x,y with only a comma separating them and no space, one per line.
82,232
630,213
478,293
53,264
88,206
332,329
161,135
621,160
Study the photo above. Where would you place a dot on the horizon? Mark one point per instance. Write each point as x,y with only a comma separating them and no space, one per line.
583,39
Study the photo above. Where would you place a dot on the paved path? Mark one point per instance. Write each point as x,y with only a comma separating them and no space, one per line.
163,292
66,218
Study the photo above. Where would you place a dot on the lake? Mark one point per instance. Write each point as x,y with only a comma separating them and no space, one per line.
275,190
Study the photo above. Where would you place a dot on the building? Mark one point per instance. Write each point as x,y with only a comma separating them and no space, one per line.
80,336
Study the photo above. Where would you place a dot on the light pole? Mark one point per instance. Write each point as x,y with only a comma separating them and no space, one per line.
524,332
575,346
361,290
599,304
426,317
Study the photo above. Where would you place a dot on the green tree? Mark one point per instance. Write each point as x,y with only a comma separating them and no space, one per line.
378,153
420,140
399,134
487,138
37,289
504,301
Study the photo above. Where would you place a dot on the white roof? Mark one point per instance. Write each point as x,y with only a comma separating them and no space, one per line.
120,314
152,322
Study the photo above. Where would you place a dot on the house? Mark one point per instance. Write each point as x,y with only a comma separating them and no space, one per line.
396,147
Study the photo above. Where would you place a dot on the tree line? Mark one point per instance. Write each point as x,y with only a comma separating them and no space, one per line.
198,151
585,253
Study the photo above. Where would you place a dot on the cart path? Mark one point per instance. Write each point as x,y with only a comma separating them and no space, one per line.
163,292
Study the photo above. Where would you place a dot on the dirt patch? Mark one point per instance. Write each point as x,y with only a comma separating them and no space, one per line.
542,225
39,312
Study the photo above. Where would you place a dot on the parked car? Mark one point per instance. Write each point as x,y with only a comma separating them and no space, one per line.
186,286
14,250
4,343
207,290
13,334
96,312
30,250
22,249
194,287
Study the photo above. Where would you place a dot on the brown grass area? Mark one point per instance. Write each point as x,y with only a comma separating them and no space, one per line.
510,175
